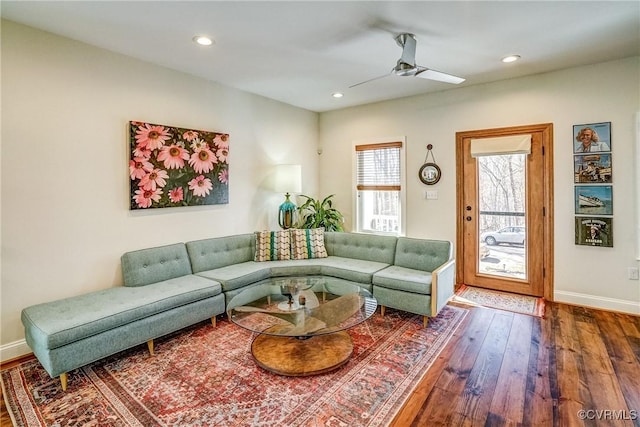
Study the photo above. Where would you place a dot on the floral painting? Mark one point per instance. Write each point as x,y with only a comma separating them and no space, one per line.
171,166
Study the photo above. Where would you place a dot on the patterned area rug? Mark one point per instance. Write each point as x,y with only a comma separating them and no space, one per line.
206,376
501,300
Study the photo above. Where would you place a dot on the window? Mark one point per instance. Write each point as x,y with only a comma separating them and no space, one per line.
378,188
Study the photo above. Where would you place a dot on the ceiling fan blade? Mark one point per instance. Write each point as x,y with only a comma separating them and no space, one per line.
426,73
370,80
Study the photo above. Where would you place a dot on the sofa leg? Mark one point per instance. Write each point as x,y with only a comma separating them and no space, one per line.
213,321
63,381
425,321
150,346
382,310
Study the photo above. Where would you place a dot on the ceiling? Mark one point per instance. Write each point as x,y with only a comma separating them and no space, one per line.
300,52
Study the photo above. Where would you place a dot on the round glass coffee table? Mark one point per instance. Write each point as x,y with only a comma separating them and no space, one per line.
301,322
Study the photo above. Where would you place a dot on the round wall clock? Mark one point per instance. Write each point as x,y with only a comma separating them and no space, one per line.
429,173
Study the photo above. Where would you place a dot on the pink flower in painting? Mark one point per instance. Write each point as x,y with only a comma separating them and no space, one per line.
222,154
190,135
200,186
176,195
139,167
221,141
173,156
144,198
202,160
152,137
154,179
140,151
223,176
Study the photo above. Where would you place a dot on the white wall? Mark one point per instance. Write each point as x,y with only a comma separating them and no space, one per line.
65,186
64,174
603,92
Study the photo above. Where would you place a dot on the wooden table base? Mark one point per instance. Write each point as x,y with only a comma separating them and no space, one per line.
295,357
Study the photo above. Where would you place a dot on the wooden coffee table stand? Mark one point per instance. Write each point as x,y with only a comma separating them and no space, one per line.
302,356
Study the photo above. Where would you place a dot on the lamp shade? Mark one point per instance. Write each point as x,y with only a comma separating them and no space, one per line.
288,179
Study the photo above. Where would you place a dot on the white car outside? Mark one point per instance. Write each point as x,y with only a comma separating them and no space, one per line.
512,235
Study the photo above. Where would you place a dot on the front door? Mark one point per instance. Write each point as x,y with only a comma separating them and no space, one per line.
505,210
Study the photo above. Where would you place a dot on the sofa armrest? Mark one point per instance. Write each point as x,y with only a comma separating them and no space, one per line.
442,280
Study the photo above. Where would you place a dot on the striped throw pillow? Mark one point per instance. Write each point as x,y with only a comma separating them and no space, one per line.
273,245
308,243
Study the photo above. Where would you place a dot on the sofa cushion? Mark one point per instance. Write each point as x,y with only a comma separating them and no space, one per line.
152,265
308,243
301,267
209,254
369,247
61,322
355,270
272,245
238,275
403,279
422,254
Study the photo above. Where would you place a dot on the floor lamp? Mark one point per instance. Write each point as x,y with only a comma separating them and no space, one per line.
288,179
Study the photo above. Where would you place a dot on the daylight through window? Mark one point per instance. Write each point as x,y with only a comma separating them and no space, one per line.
378,185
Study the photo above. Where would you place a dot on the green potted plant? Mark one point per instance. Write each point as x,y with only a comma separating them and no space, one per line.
315,214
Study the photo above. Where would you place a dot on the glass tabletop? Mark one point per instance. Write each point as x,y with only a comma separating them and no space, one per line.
301,306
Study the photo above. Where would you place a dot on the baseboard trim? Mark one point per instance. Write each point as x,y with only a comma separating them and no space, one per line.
593,301
13,350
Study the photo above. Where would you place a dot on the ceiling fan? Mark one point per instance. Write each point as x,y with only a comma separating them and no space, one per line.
406,65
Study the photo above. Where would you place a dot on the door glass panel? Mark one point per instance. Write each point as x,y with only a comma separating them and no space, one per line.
502,216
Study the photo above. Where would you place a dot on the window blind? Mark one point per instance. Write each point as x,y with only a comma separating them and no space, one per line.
516,144
378,166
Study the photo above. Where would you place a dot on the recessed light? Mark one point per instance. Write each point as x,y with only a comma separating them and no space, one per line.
337,95
510,58
203,40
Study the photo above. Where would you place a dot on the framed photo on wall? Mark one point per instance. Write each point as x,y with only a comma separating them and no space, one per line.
593,200
592,168
592,138
594,231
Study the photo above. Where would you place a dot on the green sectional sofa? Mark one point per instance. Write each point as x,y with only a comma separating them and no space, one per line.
170,287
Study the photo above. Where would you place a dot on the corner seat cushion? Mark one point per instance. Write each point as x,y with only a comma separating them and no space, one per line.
300,267
404,279
57,323
236,276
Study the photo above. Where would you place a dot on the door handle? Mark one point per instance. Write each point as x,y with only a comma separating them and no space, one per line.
468,218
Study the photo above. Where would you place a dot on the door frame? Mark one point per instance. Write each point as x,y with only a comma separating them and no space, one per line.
547,151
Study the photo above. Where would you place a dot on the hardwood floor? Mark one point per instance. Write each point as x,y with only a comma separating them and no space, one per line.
575,367
506,369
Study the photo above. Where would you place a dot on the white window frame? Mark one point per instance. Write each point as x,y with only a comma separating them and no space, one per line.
358,228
